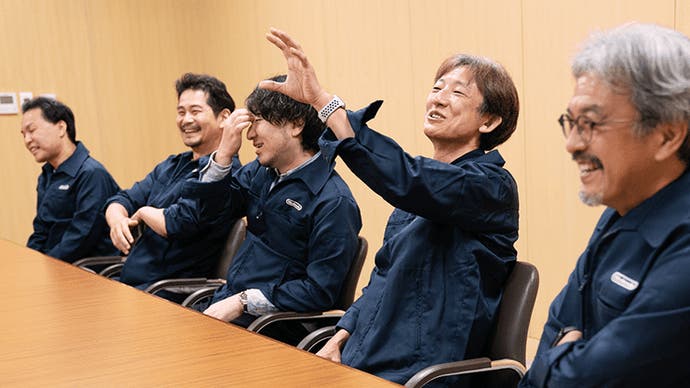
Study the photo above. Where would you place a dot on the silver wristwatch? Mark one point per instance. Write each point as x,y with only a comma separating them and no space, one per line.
243,300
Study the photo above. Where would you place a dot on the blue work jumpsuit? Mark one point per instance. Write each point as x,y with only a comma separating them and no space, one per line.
630,296
69,224
447,251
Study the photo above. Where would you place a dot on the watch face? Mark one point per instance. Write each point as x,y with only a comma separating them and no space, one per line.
243,300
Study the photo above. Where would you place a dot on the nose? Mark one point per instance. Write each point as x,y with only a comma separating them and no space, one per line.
251,132
27,137
440,97
186,118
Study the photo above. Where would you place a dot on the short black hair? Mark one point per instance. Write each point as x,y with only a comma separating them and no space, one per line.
54,111
218,96
279,109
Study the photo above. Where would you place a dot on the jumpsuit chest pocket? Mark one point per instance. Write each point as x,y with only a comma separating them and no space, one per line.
615,294
60,202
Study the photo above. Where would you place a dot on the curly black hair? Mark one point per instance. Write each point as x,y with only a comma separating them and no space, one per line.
279,109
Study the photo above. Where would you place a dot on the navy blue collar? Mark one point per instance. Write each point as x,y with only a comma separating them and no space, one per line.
72,165
315,174
479,155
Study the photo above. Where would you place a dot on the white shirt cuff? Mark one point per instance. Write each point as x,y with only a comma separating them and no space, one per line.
257,304
213,171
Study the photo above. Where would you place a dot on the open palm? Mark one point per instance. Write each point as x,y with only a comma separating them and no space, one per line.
301,83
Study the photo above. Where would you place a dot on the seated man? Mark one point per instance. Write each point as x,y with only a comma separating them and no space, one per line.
448,246
302,220
71,189
174,244
622,319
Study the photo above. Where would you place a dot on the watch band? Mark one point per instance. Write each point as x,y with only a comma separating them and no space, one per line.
331,107
243,300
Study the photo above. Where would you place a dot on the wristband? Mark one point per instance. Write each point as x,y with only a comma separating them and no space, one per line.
331,107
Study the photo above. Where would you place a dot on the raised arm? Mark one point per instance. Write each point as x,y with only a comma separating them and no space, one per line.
302,84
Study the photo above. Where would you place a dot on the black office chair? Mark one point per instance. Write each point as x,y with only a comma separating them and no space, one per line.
507,341
190,285
107,266
313,320
504,364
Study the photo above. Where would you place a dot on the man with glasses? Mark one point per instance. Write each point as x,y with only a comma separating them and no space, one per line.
622,319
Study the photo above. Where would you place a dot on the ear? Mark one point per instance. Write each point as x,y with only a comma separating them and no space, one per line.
62,126
224,114
295,130
490,124
670,137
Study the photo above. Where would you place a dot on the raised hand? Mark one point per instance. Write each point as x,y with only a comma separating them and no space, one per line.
301,83
231,141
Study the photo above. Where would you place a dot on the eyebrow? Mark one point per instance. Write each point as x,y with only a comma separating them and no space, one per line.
191,106
588,109
463,84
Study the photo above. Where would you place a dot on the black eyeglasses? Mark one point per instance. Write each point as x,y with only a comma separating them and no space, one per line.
585,126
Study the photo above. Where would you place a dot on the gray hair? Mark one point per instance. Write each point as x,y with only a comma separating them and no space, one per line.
650,62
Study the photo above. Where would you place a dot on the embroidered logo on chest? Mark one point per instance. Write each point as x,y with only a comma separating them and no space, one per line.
624,281
63,187
294,204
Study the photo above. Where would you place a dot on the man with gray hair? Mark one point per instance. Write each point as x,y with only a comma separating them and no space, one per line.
623,317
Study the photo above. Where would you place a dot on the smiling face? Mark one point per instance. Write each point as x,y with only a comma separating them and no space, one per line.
616,166
452,118
199,127
46,141
276,146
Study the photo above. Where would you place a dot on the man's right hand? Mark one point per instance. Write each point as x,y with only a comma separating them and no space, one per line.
120,234
331,350
231,141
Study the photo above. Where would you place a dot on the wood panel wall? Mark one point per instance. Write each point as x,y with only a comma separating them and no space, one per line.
115,63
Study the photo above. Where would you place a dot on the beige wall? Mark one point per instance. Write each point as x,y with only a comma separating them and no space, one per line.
114,63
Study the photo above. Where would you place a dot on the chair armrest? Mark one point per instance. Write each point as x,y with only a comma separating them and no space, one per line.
99,260
112,270
474,365
184,285
198,295
315,340
265,320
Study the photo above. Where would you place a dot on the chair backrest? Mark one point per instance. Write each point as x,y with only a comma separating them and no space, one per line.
232,245
509,336
347,295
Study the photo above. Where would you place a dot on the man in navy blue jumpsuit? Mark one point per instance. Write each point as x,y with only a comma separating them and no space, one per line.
623,318
448,246
174,243
72,187
302,220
